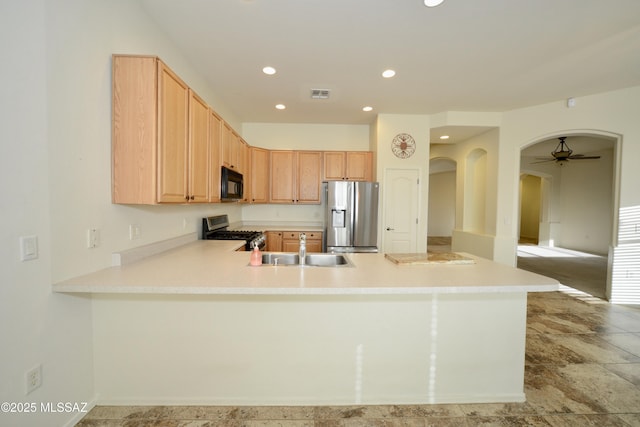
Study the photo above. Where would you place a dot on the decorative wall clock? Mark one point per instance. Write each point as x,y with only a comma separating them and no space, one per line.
403,145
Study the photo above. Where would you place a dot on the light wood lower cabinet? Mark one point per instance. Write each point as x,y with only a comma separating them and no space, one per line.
274,241
289,241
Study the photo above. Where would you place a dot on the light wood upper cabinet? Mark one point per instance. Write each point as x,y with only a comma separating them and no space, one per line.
215,147
173,136
134,143
231,148
308,176
259,175
199,145
168,147
282,177
159,135
246,169
296,176
348,165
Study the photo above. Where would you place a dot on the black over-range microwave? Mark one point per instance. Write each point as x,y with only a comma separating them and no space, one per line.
230,185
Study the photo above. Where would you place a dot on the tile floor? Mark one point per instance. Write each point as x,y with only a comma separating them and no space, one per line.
582,368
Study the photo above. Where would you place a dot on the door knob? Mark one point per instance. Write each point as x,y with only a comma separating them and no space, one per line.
389,229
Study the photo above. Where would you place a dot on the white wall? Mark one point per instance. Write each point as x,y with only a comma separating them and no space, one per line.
442,203
613,114
55,153
82,36
386,128
586,204
476,190
37,326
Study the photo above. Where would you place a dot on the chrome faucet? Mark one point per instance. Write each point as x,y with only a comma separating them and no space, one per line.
302,252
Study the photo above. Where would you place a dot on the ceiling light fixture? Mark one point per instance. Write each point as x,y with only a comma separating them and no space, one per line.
367,108
281,106
387,74
444,137
432,3
270,71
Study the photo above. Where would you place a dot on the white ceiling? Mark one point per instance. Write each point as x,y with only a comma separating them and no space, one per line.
464,55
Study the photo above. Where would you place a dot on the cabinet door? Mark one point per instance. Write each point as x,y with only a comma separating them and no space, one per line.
314,242
274,241
134,141
259,175
227,137
246,170
198,150
308,177
282,177
334,162
173,134
215,146
235,150
358,165
290,245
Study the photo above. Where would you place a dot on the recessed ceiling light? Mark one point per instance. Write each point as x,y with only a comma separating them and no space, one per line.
367,108
432,3
444,137
387,74
281,106
269,70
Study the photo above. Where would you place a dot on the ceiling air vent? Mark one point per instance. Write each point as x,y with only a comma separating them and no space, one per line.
319,93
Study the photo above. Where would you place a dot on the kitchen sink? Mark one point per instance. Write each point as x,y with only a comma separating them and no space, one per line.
280,258
327,260
311,260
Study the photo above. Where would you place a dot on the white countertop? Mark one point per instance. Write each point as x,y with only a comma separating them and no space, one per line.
214,267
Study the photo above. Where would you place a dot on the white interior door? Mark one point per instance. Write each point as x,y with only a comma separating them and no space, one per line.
400,222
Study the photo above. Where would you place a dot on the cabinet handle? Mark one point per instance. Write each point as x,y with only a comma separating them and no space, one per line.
390,229
193,197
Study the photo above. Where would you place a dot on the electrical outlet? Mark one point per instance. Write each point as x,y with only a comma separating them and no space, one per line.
33,378
134,231
93,238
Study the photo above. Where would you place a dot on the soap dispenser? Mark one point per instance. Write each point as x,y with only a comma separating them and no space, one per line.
256,256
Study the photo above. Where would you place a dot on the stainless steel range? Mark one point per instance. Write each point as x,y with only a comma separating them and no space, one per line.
215,228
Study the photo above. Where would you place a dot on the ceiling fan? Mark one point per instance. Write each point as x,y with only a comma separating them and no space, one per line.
563,153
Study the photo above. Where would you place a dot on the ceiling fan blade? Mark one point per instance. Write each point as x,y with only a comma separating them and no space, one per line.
542,161
583,157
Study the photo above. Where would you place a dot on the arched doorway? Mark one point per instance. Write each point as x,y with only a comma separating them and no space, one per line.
442,203
577,208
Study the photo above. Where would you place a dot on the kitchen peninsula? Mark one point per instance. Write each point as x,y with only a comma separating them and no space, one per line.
197,325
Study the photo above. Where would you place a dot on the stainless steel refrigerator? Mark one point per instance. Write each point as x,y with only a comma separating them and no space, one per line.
351,216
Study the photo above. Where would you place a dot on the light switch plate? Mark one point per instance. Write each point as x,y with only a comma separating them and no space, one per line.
28,248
